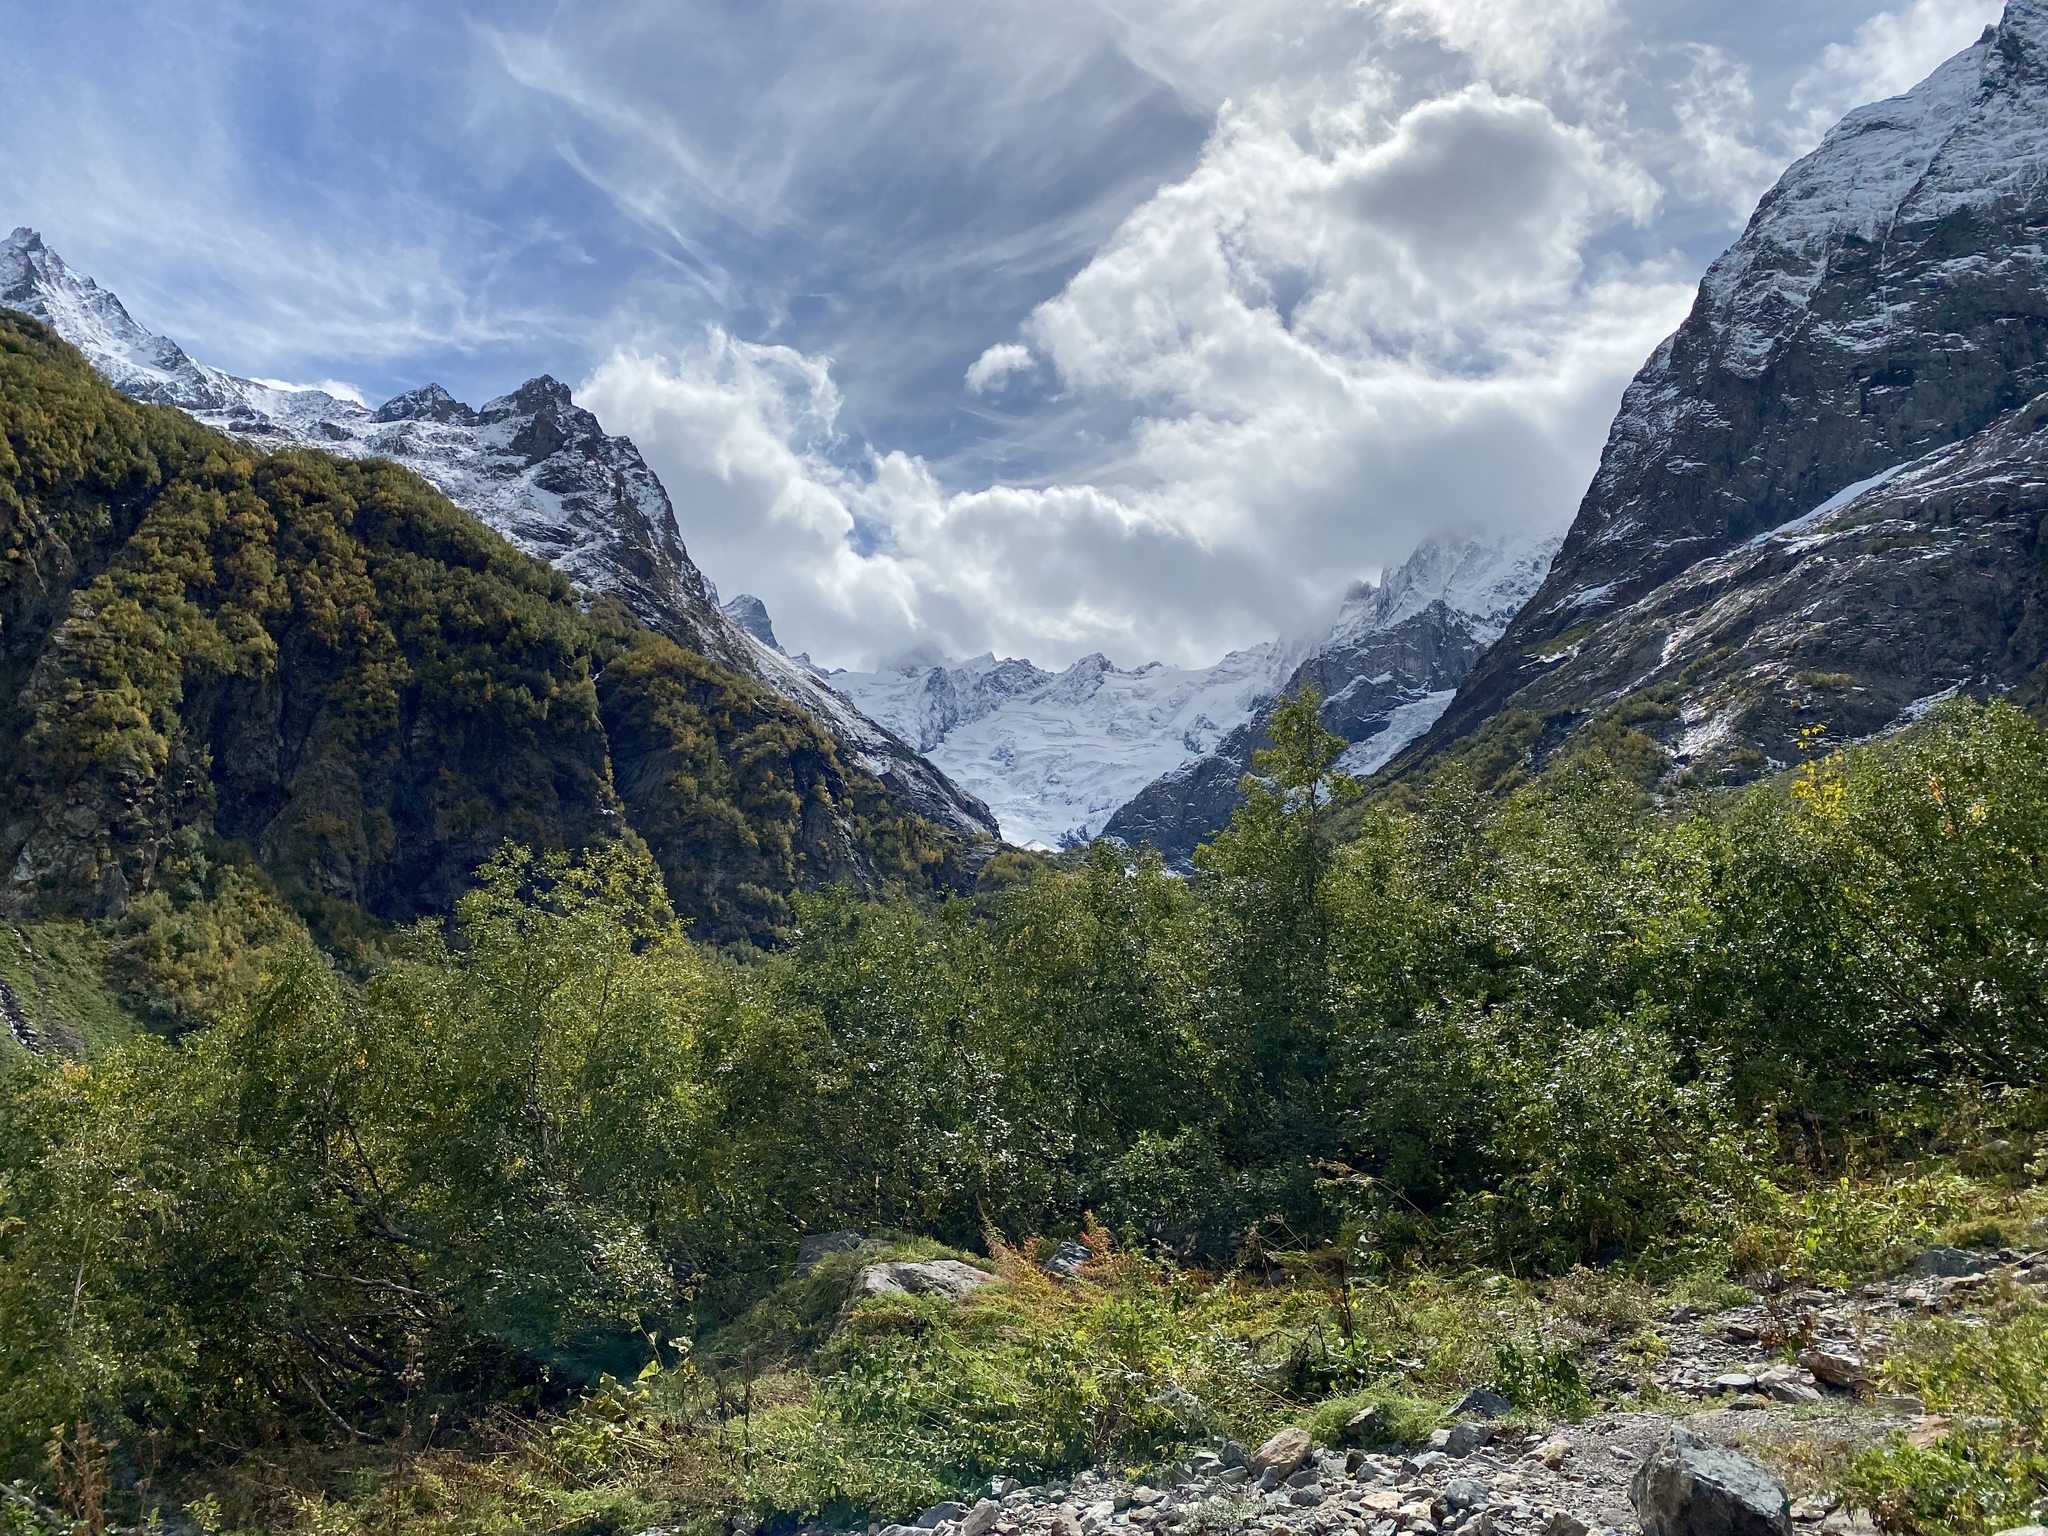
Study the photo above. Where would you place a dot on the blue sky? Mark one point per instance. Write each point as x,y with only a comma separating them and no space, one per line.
1133,325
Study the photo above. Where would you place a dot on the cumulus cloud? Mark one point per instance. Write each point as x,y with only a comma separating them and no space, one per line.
989,370
1335,344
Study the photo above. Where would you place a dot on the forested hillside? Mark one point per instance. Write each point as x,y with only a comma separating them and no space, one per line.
324,668
1332,1126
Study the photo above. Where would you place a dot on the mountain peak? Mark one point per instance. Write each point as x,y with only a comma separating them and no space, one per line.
751,614
430,402
535,395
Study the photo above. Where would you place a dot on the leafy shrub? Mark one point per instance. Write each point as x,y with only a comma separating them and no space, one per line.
1988,1470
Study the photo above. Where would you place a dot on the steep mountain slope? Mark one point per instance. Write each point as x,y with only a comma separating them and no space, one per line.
1816,507
1386,670
327,663
532,465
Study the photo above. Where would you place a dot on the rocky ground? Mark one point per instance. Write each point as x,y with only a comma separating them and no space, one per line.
1789,1373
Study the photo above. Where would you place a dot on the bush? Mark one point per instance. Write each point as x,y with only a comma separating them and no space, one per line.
1988,1470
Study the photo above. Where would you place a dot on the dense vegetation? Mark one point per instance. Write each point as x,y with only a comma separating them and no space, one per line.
374,1247
327,663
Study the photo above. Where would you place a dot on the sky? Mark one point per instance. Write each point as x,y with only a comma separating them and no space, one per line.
1037,326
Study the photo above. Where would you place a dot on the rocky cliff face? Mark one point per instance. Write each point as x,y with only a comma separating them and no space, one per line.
532,465
1822,474
1386,670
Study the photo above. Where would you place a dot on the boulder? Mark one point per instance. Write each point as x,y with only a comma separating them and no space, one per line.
948,1278
939,1514
1284,1453
1789,1390
818,1244
1067,1261
1951,1263
1836,1368
1480,1403
981,1519
1691,1487
1466,1493
1464,1439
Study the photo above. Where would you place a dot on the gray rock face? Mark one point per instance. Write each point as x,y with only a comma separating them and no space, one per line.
751,614
1798,518
1690,1487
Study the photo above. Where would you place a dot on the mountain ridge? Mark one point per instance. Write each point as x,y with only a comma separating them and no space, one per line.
1887,301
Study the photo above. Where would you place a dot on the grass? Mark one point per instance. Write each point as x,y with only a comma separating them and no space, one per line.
815,1404
57,972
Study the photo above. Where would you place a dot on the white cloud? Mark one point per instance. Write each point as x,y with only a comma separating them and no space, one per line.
1336,344
1890,54
338,388
994,366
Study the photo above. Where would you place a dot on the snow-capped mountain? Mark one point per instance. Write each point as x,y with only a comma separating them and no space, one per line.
1155,753
1054,754
1386,669
532,465
1822,500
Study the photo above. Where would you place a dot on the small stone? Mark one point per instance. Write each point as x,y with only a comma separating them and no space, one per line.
1563,1524
1308,1497
1439,1438
1790,1391
1899,1402
1464,1439
1466,1493
1385,1501
1735,1381
1928,1433
1230,1477
1810,1511
1306,1477
1284,1453
938,1514
1423,1461
981,1519
1553,1452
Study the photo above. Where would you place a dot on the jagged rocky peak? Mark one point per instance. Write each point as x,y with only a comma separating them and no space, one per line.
751,614
1888,301
430,402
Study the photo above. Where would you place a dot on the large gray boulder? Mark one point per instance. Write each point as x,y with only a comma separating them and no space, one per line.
1692,1487
948,1278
